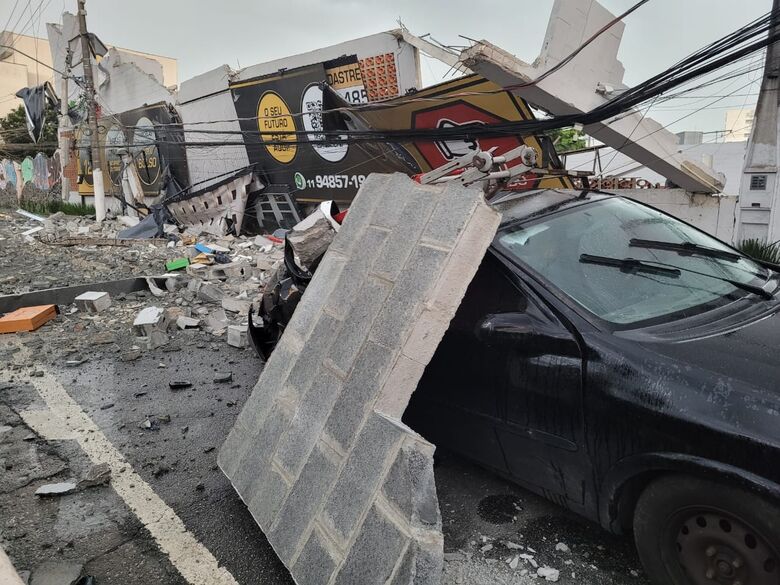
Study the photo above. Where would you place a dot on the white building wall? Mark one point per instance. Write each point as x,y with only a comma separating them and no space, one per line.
715,215
206,98
406,58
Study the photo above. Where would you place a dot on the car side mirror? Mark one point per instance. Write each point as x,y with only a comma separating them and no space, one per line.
531,335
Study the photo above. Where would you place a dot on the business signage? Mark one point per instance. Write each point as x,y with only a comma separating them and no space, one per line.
293,101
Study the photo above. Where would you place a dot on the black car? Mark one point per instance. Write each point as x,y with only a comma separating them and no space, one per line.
626,366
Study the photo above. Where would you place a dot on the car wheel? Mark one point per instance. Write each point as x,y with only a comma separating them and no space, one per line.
692,531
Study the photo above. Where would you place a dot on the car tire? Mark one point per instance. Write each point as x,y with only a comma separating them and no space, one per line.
692,531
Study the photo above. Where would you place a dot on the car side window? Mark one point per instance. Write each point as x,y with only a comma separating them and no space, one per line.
491,291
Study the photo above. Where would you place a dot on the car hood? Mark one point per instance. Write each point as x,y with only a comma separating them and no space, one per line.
740,343
721,372
749,354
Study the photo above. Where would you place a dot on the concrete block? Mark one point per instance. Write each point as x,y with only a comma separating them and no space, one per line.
251,460
343,492
402,380
270,490
310,418
237,335
375,449
210,294
375,553
405,234
148,320
93,302
358,393
184,322
422,564
239,306
316,563
294,518
398,314
410,485
363,309
56,572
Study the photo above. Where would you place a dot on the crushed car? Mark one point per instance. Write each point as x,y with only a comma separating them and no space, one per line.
622,364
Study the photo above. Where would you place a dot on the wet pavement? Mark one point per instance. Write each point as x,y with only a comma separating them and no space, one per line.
488,522
169,515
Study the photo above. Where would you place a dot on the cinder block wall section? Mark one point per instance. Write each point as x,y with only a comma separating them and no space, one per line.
343,490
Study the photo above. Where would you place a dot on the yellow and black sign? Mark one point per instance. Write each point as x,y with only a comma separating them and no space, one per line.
273,117
152,138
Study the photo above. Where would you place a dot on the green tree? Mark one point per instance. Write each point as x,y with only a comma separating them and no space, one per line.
567,139
13,130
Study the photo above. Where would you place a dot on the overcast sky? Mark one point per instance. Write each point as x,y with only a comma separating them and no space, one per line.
203,35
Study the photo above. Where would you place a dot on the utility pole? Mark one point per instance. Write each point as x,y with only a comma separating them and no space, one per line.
97,154
758,212
64,128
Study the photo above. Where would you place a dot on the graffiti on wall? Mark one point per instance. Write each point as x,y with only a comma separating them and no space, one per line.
44,172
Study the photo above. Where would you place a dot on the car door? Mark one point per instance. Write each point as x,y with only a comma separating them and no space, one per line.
536,364
459,403
504,394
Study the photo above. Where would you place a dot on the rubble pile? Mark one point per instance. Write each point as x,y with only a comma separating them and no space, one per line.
198,290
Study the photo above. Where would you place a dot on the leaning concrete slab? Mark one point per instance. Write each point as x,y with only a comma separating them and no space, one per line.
342,489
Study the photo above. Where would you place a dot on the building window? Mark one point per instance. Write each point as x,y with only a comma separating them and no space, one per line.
758,182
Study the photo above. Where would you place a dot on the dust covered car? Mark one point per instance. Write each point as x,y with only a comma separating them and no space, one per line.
626,366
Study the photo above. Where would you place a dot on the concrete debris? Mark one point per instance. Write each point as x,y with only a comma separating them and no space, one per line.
311,237
343,490
148,320
237,335
179,384
150,327
56,573
154,289
549,574
183,322
216,322
236,305
222,377
98,474
56,489
210,293
562,547
93,302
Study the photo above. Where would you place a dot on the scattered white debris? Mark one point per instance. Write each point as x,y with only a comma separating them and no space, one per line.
513,562
56,489
29,215
562,547
529,559
513,546
549,574
486,548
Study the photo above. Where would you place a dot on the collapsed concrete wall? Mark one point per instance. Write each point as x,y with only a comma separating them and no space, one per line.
205,103
342,489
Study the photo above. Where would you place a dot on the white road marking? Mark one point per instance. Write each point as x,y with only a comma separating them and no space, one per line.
193,560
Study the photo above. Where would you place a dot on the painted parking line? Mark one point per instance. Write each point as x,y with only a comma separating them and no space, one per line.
65,418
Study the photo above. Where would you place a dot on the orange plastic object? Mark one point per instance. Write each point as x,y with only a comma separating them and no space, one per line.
27,318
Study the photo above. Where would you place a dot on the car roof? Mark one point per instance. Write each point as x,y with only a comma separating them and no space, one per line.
519,205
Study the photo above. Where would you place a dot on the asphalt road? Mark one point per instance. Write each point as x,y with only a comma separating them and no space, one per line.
494,532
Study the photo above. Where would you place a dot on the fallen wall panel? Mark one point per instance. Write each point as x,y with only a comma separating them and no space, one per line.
342,489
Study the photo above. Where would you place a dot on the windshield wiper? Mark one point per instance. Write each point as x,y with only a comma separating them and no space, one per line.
685,248
629,265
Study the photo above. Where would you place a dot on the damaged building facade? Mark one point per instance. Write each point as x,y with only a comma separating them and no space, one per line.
153,134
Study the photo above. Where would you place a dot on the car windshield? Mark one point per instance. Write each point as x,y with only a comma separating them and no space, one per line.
627,263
